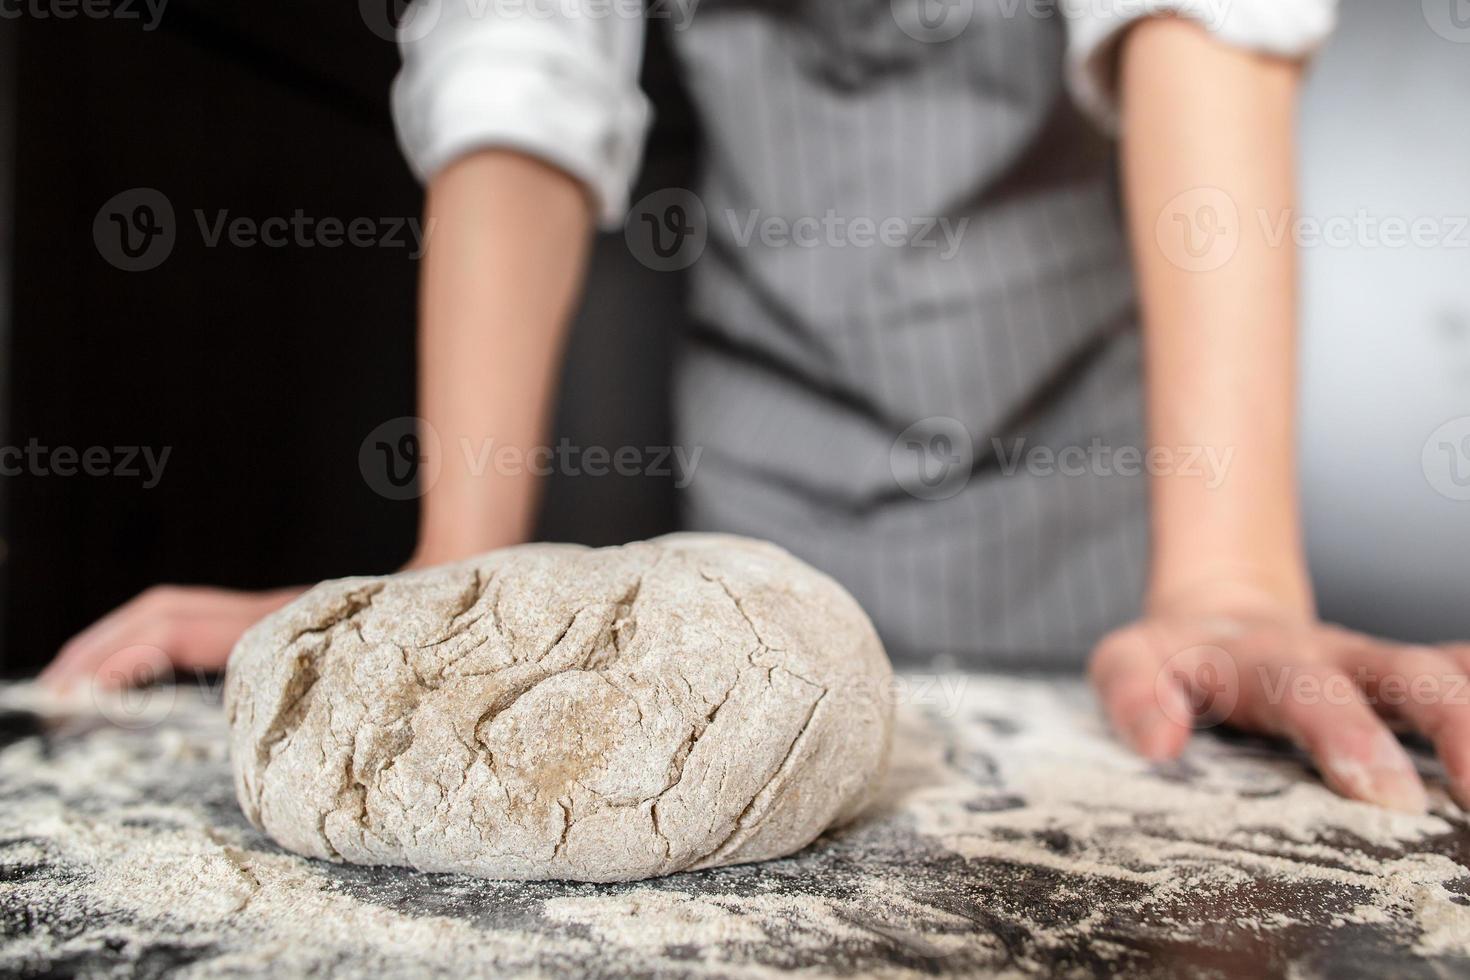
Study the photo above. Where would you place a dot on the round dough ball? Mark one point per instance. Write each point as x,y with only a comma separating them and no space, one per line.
554,711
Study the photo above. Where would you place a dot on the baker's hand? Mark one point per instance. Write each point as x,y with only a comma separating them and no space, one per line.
1240,659
165,628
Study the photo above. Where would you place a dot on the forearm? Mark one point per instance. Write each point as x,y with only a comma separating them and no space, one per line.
503,269
1220,342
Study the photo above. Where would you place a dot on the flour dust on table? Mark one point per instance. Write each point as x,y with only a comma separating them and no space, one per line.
1011,838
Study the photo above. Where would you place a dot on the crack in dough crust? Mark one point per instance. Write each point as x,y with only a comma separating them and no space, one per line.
555,711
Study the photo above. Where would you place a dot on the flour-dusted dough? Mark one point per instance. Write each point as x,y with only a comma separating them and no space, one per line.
554,711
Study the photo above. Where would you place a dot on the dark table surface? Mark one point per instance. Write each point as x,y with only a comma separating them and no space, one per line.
1013,838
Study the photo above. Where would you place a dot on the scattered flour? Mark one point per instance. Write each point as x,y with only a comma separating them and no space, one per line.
1012,837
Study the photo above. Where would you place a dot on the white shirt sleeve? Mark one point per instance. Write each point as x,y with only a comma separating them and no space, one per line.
557,80
1287,28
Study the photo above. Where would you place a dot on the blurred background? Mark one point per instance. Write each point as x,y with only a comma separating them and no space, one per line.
1386,371
262,371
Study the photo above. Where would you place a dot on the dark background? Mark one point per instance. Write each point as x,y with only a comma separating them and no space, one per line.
263,369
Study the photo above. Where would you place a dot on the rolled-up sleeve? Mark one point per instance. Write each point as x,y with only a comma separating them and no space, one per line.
558,81
1286,28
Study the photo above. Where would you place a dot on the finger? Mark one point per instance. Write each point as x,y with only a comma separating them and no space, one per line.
1429,689
79,656
1146,706
1324,712
196,627
159,644
137,665
205,642
84,662
198,642
82,650
69,649
1459,653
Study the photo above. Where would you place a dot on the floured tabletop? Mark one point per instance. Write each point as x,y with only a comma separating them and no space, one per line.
1014,837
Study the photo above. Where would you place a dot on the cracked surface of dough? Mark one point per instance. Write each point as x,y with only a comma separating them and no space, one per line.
555,711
